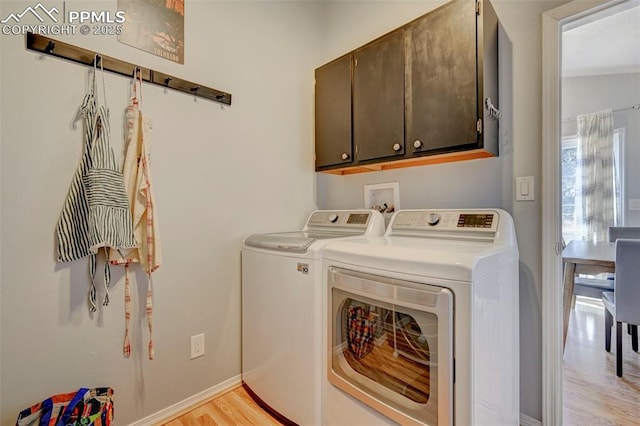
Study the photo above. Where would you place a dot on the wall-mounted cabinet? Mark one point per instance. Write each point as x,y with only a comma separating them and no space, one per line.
333,114
418,95
378,99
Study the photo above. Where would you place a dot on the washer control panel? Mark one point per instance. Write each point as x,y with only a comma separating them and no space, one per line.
346,222
339,218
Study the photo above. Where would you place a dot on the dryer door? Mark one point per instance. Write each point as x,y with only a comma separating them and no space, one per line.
391,345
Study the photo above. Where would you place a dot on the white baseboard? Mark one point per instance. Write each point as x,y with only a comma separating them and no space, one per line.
529,421
193,401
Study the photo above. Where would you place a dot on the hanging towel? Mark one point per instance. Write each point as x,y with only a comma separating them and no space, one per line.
137,177
96,211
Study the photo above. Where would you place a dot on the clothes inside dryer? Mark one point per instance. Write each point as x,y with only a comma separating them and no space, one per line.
389,347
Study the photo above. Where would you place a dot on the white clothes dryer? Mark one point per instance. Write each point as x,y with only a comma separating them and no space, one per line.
422,324
281,311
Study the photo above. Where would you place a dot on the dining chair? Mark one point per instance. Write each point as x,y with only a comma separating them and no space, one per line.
621,306
616,232
595,287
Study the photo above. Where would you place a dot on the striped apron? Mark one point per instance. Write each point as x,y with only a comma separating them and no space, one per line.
96,211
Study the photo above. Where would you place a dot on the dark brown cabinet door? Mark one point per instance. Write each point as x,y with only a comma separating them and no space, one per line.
378,98
441,93
333,113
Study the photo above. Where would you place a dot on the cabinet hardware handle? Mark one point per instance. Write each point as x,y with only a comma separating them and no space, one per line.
397,147
345,156
417,144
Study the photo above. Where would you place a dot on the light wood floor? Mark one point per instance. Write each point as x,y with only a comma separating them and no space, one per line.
232,408
593,394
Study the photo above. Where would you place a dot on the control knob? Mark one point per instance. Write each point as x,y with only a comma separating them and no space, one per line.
333,218
433,219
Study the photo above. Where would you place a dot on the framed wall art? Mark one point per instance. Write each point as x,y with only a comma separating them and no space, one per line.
155,26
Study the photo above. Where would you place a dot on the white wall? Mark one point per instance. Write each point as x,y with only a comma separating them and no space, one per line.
477,183
220,173
581,95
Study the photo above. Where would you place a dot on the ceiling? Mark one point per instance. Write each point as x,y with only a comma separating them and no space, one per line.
605,42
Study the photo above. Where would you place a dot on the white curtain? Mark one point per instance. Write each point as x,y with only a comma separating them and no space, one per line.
595,142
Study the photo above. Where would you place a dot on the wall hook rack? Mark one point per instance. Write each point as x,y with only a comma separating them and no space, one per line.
77,54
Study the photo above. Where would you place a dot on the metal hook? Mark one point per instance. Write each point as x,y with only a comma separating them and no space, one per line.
494,112
50,46
167,80
195,89
96,59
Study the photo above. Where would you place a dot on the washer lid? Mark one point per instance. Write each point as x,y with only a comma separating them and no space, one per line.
293,242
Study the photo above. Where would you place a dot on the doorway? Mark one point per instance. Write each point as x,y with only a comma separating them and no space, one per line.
554,23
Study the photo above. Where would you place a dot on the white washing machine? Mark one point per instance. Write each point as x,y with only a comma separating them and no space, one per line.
422,324
281,311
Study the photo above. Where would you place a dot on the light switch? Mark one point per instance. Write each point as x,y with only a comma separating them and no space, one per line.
524,188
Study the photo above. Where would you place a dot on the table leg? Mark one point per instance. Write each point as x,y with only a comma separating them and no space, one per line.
567,294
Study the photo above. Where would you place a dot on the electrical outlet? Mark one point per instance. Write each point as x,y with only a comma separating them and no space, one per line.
197,345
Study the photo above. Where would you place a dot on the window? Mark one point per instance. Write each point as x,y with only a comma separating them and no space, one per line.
572,224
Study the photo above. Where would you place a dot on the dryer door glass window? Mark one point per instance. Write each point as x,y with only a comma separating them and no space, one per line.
389,347
390,353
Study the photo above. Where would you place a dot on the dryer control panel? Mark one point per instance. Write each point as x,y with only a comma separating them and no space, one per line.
479,225
476,220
